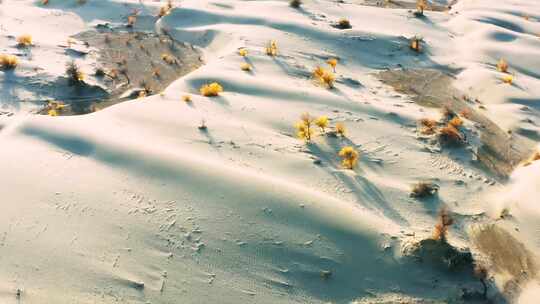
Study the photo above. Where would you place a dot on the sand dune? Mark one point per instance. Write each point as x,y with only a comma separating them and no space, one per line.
137,203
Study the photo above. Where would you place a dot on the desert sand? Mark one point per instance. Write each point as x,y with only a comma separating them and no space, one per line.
216,200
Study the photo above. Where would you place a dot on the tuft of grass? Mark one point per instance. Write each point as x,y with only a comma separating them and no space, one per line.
8,62
324,77
322,123
187,98
295,3
343,24
424,189
131,20
508,79
74,74
429,126
243,52
24,40
415,44
211,90
502,66
245,67
421,5
349,156
272,48
333,63
444,222
168,58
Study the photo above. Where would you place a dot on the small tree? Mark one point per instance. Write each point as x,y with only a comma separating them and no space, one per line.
304,128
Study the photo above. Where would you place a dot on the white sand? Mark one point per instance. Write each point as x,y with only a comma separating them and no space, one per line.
95,206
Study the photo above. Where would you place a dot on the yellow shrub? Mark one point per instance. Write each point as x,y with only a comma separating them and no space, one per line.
324,76
350,157
509,79
24,40
211,90
8,62
272,49
502,66
243,52
165,10
245,67
322,122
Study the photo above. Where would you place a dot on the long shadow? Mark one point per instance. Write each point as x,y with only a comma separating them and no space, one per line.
366,193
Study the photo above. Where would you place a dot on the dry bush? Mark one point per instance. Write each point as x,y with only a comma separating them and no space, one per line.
350,157
502,66
322,123
304,128
24,41
295,3
243,52
271,49
424,189
343,24
451,135
467,113
245,67
131,19
456,122
415,44
429,126
74,74
166,9
8,62
443,224
211,90
324,77
54,108
186,98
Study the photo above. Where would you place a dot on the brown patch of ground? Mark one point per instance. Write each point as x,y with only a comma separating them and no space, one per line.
508,257
135,61
500,152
